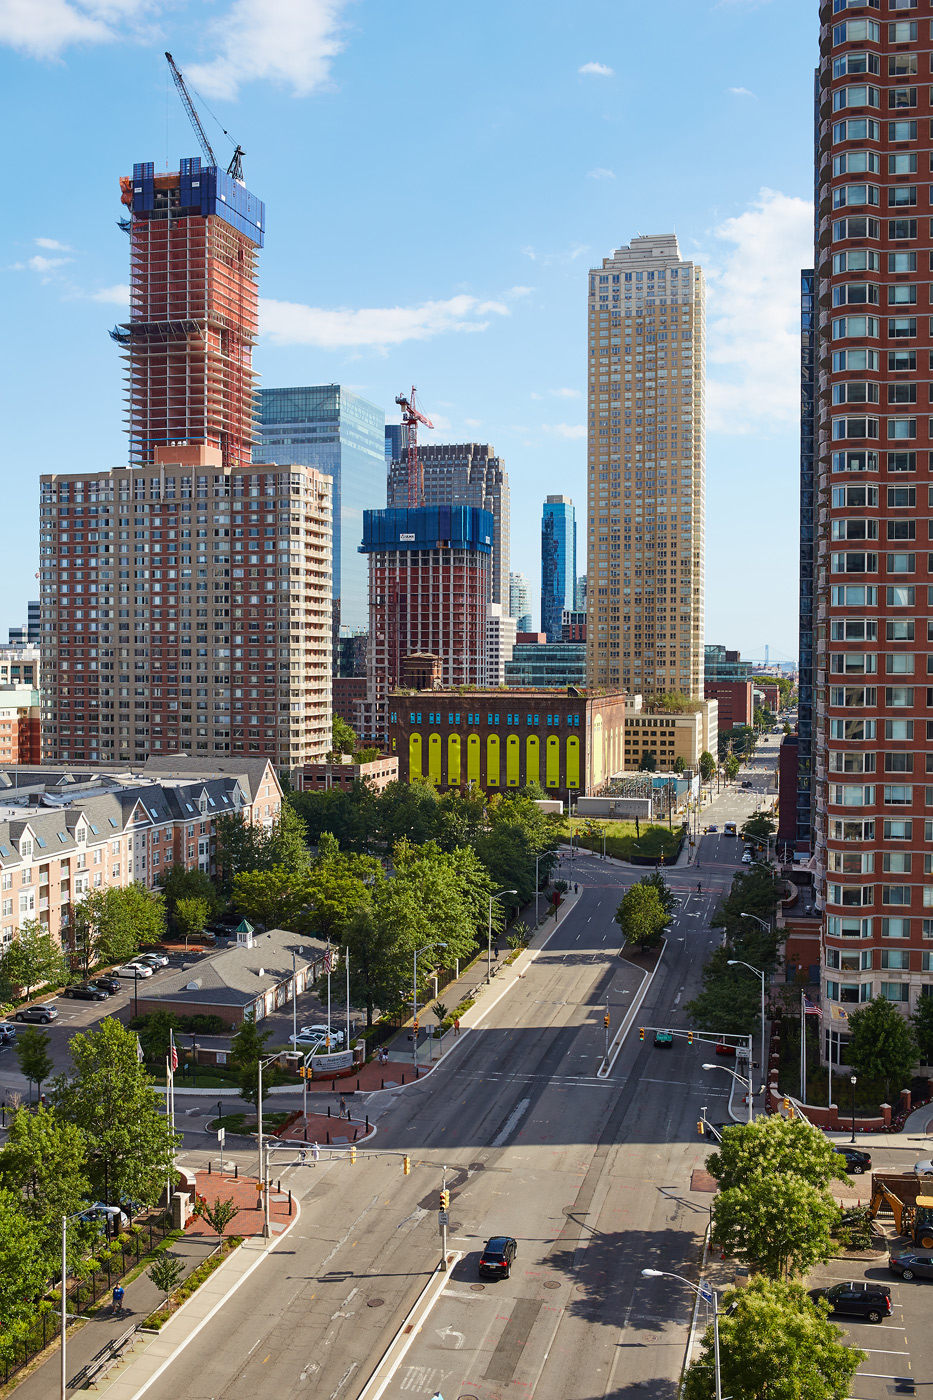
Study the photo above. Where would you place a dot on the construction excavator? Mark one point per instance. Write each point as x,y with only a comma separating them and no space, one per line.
911,1218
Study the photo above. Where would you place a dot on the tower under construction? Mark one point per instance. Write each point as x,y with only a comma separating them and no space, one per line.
188,345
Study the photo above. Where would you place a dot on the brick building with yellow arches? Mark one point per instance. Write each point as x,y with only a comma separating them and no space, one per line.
499,740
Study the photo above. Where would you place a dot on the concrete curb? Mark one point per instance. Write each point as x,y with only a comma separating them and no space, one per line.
605,1068
408,1331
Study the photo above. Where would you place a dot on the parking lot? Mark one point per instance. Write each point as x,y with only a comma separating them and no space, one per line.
900,1348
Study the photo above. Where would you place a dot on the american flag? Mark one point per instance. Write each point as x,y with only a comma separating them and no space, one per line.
810,1008
329,960
172,1051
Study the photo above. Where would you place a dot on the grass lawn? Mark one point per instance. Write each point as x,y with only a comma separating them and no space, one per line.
217,1077
622,841
246,1122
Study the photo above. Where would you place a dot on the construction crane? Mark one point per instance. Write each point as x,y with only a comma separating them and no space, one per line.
235,168
410,420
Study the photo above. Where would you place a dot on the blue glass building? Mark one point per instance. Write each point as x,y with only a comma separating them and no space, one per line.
558,563
328,427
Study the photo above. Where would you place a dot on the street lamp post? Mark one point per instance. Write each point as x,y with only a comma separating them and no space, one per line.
262,1064
537,915
414,1001
64,1315
489,933
737,962
661,1273
853,1080
742,1080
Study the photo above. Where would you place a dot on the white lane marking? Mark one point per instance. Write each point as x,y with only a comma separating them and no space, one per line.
450,1332
518,1112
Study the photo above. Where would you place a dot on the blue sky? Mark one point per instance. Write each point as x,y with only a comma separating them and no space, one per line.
438,179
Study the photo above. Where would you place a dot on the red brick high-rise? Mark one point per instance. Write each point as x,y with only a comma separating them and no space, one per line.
873,623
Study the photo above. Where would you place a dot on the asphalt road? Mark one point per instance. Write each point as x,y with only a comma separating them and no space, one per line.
593,1177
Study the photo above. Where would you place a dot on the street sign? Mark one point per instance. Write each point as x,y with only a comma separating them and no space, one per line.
221,1135
443,1219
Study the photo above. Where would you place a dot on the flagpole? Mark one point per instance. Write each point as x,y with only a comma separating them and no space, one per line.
803,1048
329,963
829,1066
168,1078
347,964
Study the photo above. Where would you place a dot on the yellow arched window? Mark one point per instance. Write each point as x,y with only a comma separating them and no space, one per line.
453,760
532,759
512,760
414,757
492,760
473,759
573,762
434,759
552,761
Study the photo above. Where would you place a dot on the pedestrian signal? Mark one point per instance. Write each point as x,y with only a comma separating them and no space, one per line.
641,1032
445,1200
352,1152
406,1165
606,1019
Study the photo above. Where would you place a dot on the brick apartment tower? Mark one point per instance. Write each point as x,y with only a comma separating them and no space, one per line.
429,581
873,690
646,470
186,599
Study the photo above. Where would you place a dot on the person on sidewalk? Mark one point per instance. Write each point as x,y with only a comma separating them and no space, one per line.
117,1298
456,1026
343,1107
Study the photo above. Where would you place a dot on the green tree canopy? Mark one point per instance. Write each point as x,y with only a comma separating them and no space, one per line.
111,925
641,916
25,1265
922,1022
32,1053
344,738
274,897
882,1043
191,915
730,1002
654,880
246,1051
777,1224
776,1146
110,1097
44,1162
177,883
707,766
649,762
731,767
155,1035
35,958
775,1345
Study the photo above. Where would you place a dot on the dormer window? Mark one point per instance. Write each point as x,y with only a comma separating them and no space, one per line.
81,835
25,847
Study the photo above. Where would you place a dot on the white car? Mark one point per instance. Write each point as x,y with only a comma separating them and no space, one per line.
130,969
157,959
314,1035
747,858
924,1168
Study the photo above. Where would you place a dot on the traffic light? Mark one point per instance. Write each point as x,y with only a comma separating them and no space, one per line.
606,1020
690,1037
352,1152
415,1025
444,1200
786,1105
701,1129
406,1165
641,1032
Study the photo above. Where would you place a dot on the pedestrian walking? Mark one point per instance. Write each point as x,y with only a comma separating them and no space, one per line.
315,1153
576,887
456,1026
343,1107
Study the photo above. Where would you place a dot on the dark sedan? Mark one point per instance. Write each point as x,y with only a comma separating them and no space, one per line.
86,991
911,1265
497,1258
107,982
857,1161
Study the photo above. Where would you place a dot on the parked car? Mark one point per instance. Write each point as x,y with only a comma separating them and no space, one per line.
8,1029
664,1038
856,1160
86,991
910,1265
313,1035
111,1218
42,1013
130,969
498,1257
923,1168
108,981
157,959
869,1300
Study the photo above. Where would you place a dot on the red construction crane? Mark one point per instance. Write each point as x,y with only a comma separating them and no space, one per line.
410,420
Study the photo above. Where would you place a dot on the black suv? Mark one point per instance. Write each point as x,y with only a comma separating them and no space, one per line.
869,1300
86,991
856,1161
497,1258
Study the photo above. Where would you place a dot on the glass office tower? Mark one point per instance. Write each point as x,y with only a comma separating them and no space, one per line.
558,563
328,427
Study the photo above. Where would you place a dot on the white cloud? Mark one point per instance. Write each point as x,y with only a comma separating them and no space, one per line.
566,430
118,295
600,173
290,42
520,291
291,323
53,244
576,250
753,344
602,70
42,265
43,28
564,393
740,92
473,422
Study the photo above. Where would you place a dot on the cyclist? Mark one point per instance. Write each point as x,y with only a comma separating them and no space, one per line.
118,1298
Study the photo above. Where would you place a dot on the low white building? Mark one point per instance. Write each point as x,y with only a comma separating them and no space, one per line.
501,631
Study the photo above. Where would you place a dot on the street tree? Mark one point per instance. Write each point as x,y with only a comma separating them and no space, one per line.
103,928
246,1050
680,763
110,1097
32,1053
272,897
641,916
649,762
45,1160
155,1035
731,767
286,844
191,914
25,1266
922,1022
774,1344
707,766
218,1215
776,1146
779,1225
339,884
729,1003
759,826
177,883
34,958
654,880
882,1043
144,910
166,1272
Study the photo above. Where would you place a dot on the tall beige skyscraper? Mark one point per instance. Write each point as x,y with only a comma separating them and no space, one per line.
646,470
